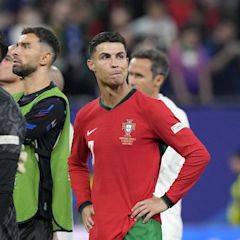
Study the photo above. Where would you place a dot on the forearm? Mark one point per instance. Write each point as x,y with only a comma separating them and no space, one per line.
7,171
78,166
43,117
80,184
193,167
205,87
5,203
180,89
178,83
220,60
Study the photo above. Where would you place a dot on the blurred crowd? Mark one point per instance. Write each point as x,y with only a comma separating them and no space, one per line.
200,37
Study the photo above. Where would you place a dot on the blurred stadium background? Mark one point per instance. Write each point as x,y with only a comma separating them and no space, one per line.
201,38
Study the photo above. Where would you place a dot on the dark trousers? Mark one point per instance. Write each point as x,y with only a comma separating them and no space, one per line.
37,228
9,228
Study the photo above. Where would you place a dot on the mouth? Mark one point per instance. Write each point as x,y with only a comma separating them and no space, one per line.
116,73
16,62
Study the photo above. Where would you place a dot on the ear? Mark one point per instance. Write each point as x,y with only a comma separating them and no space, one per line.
91,65
46,59
159,80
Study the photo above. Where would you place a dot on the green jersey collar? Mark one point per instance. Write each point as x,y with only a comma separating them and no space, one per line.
102,104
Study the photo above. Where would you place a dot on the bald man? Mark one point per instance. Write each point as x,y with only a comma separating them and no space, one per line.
56,76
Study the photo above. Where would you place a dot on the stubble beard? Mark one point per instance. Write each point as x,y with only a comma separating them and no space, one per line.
24,71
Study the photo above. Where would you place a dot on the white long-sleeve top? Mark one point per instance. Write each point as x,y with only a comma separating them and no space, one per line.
171,164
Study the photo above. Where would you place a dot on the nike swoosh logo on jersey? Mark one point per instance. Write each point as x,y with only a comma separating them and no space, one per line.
89,132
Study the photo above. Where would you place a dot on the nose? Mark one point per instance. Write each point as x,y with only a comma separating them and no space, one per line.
14,49
114,62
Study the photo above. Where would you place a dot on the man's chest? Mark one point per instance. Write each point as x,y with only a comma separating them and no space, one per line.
111,133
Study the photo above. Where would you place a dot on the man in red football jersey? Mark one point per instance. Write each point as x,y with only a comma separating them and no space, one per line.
123,129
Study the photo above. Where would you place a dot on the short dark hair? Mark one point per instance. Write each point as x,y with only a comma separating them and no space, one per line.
47,36
3,47
105,37
158,59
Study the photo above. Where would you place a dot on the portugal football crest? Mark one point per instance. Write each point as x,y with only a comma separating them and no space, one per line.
128,127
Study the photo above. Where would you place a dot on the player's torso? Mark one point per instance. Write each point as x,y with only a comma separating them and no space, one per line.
123,148
126,157
122,134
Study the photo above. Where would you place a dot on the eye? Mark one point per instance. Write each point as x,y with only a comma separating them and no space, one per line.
121,56
8,59
25,45
104,56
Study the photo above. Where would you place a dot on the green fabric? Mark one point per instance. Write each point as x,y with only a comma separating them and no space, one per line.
17,96
152,230
122,101
234,209
27,184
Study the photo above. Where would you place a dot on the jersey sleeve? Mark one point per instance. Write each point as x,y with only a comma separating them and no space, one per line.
181,138
12,129
78,164
44,116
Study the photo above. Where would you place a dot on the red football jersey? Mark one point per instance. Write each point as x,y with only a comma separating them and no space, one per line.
124,142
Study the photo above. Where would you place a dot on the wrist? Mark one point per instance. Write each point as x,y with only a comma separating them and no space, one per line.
83,205
167,201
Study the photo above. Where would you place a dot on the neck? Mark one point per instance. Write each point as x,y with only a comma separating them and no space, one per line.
36,82
155,95
111,97
14,87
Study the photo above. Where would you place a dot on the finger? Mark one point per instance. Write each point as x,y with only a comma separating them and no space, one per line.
86,227
141,214
21,168
148,216
137,205
85,221
137,211
23,156
90,220
89,224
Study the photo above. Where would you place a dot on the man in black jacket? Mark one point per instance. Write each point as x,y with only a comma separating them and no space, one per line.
12,130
